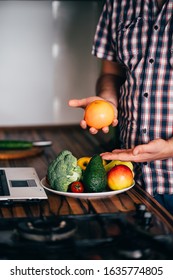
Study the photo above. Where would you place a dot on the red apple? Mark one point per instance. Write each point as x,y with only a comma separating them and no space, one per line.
120,177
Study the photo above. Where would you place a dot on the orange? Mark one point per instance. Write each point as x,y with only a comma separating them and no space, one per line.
99,113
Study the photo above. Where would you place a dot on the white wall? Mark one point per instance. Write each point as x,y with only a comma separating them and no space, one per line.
45,59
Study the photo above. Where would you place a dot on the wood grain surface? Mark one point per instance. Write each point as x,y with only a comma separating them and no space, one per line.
16,154
80,143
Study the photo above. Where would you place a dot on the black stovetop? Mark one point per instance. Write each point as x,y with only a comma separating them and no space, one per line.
134,235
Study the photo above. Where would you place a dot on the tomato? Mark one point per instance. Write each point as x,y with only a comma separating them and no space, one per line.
77,187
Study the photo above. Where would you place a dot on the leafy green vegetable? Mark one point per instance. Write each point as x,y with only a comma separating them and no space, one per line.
63,170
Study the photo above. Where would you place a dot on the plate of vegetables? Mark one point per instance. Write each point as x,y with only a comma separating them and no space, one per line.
83,195
65,176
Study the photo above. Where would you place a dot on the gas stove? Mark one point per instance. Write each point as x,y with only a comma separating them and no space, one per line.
132,235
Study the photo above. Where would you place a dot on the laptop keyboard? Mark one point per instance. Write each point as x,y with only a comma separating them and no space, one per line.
4,190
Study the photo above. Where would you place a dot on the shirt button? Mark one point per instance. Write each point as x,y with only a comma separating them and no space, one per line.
151,60
146,94
144,130
156,27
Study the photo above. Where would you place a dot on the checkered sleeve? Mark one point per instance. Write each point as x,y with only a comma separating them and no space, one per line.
103,42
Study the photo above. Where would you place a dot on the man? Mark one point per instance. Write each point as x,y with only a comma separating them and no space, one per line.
135,41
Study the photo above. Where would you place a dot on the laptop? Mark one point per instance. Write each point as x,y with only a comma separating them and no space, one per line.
20,184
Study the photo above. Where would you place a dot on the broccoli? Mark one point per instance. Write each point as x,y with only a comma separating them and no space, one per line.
63,170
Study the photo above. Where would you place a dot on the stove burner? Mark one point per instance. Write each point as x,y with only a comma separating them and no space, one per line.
46,230
106,236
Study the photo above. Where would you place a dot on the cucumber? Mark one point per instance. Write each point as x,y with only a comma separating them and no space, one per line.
15,144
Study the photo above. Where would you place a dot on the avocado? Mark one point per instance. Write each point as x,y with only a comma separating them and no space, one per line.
94,176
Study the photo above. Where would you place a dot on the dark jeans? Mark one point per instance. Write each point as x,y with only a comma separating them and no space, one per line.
166,200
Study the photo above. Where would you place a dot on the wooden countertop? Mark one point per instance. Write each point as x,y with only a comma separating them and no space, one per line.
80,143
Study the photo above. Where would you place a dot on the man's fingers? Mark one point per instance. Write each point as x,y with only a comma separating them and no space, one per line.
145,148
93,130
83,124
78,103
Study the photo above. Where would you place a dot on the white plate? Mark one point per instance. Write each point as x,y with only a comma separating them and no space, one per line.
98,195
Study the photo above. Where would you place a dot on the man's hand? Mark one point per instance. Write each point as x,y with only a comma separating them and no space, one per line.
82,103
158,149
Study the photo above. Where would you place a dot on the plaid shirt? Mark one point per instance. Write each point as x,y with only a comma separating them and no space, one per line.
140,36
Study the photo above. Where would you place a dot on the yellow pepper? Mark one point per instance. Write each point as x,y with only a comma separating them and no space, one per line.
83,162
